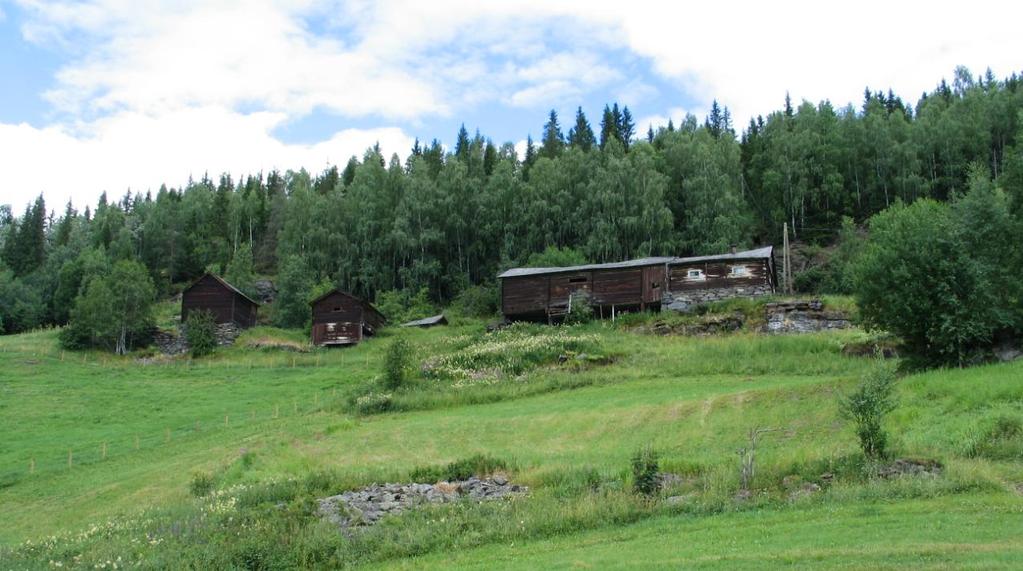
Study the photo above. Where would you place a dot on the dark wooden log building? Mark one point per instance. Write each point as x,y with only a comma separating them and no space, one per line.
340,318
226,302
545,294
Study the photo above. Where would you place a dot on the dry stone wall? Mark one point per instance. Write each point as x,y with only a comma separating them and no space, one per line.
685,301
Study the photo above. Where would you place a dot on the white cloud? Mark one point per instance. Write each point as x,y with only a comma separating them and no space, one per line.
138,151
675,114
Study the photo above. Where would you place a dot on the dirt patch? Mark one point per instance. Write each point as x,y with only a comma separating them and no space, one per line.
910,467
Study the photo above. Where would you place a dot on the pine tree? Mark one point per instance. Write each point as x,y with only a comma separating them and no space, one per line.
530,158
348,175
489,158
553,139
609,126
650,134
626,127
462,144
581,136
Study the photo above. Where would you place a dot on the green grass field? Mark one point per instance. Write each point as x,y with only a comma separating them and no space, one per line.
276,428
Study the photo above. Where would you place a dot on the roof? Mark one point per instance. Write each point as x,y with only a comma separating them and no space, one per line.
516,272
363,302
765,252
427,321
224,283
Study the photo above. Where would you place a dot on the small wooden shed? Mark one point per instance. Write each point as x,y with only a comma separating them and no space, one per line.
226,302
340,318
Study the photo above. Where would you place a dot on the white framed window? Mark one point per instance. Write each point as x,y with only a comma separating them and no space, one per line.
739,272
695,275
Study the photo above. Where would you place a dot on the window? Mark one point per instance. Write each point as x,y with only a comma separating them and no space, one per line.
695,275
739,272
579,280
337,309
655,285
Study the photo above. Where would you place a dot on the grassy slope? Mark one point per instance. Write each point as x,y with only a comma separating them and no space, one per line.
693,398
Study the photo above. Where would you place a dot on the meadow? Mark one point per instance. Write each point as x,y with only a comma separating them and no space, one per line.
273,429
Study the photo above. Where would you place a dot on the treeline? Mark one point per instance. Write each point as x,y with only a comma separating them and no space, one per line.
442,222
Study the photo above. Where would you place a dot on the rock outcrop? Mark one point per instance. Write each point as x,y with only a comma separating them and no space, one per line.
803,316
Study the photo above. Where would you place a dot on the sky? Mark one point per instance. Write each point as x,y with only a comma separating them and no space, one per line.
118,95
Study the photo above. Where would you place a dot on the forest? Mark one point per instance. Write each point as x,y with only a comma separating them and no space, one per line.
445,221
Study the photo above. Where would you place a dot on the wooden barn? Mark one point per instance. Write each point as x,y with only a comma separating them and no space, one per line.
702,279
340,318
545,294
226,302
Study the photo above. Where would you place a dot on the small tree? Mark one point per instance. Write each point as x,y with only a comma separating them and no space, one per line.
201,332
239,271
867,405
398,363
644,471
294,284
114,312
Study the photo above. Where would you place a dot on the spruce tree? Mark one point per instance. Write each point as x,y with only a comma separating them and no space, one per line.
608,126
626,128
462,144
581,136
553,139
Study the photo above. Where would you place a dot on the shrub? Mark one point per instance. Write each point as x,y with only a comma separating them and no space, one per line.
477,301
644,471
201,332
477,465
401,305
579,310
867,405
202,484
1001,441
372,403
398,363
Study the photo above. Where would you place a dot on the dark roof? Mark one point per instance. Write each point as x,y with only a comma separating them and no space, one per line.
759,253
224,283
363,302
427,321
516,272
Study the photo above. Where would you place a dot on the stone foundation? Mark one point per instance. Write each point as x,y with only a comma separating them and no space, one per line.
176,342
685,301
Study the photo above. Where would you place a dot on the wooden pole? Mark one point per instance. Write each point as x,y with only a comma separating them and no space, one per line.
70,458
166,435
277,410
785,258
226,420
32,466
136,442
103,455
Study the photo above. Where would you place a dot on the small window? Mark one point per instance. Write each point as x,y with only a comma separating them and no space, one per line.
695,275
739,272
331,327
579,280
337,308
655,285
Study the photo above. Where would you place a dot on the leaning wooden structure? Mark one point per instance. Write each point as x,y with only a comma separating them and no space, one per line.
340,318
225,302
547,294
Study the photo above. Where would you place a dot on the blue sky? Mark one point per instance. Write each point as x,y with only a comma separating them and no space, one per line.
117,94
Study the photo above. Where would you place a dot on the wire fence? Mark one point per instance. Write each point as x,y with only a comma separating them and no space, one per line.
124,446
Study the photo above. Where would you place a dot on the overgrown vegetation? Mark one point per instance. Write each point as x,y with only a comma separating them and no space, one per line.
868,405
398,363
201,332
645,471
480,465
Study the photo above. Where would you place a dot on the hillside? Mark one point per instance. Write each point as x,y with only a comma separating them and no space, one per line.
276,429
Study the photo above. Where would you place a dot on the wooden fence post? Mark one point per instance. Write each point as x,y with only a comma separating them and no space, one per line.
32,466
225,420
136,442
197,426
166,435
277,410
103,454
70,458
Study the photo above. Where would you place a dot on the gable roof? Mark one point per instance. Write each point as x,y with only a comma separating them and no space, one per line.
358,299
759,253
653,261
224,283
427,321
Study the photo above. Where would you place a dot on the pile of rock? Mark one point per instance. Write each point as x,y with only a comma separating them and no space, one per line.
910,467
368,505
803,316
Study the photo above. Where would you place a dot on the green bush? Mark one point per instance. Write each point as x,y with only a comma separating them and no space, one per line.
398,363
940,277
1003,440
579,311
201,332
401,305
201,484
644,471
477,301
868,404
479,465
